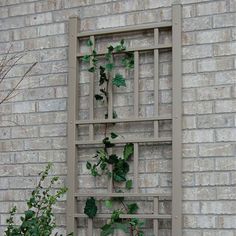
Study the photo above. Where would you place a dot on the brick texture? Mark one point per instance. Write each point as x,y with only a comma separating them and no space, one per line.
33,125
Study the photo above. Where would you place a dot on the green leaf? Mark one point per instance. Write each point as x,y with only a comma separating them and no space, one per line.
90,208
114,135
128,60
110,48
132,208
107,229
122,226
119,80
129,184
29,214
89,43
98,97
86,58
108,203
91,69
109,66
128,151
88,165
113,158
107,143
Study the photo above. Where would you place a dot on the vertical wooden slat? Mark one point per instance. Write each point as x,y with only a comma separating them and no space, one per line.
155,221
90,227
72,129
91,94
136,160
136,84
177,122
156,81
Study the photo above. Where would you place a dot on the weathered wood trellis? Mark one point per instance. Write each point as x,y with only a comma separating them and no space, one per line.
175,140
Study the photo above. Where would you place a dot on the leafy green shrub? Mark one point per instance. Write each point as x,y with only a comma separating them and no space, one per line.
38,219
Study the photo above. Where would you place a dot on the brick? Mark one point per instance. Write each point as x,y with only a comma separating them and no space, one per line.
216,149
209,93
189,67
225,77
52,29
200,221
24,107
225,106
215,64
111,21
225,49
192,52
197,23
228,134
217,121
219,207
211,8
52,105
225,163
226,193
39,19
22,9
24,132
203,107
199,193
52,130
38,144
212,179
227,222
198,80
224,20
199,136
213,36
198,165
189,122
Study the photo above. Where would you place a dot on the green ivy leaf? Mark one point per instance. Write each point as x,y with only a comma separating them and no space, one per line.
29,214
128,151
129,184
91,69
107,229
98,97
109,66
86,58
108,204
90,208
114,135
107,143
119,80
89,43
132,208
110,48
113,159
88,165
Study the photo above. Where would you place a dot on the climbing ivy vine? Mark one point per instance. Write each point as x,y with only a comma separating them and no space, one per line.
112,165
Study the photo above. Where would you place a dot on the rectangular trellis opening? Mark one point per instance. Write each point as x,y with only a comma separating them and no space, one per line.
149,116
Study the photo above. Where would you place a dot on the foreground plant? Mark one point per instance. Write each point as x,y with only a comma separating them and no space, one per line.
38,219
114,166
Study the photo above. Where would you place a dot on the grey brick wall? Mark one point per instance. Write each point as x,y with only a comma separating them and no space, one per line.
33,124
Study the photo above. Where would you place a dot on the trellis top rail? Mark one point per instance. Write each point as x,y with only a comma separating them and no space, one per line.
131,28
126,120
159,46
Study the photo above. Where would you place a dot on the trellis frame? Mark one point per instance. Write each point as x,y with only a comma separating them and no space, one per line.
74,122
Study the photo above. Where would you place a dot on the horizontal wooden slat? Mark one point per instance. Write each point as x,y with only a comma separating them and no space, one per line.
128,216
108,195
134,119
160,46
124,141
131,28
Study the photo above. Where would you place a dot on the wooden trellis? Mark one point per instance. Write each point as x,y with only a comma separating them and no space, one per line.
74,123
